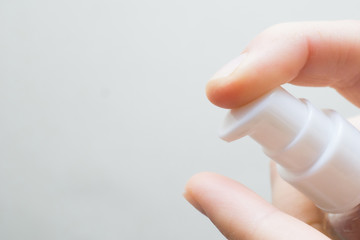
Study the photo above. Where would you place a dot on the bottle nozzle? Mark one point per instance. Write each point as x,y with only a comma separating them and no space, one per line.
272,120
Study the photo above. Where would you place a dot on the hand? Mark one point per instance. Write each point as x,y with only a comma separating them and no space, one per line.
308,54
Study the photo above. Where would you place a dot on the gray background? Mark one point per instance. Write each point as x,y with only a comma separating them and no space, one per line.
104,117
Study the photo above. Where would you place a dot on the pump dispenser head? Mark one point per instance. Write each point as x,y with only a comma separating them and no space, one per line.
317,152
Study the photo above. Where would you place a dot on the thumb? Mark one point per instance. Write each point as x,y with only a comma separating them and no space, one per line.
307,53
241,214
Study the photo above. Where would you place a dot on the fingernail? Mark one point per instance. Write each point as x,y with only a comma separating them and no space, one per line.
193,202
230,67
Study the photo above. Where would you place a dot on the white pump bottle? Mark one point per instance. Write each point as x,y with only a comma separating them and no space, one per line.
318,152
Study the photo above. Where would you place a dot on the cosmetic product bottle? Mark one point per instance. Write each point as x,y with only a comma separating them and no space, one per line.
318,152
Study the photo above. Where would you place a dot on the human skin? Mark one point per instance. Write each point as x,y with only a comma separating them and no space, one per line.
305,54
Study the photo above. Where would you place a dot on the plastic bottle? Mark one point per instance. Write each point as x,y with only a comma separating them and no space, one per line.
318,152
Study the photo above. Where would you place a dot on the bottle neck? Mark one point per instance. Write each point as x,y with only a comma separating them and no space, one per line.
305,146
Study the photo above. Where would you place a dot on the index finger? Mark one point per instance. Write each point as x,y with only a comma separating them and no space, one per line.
308,54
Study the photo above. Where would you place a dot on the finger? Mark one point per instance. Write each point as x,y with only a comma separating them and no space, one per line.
241,214
289,200
309,54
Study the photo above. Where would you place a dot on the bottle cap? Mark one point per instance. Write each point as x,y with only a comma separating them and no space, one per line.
317,151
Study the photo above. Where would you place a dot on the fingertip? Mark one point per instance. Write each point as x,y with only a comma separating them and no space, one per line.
223,93
225,88
246,84
194,184
237,90
194,189
190,198
275,57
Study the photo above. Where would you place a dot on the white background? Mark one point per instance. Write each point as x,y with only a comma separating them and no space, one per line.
104,116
